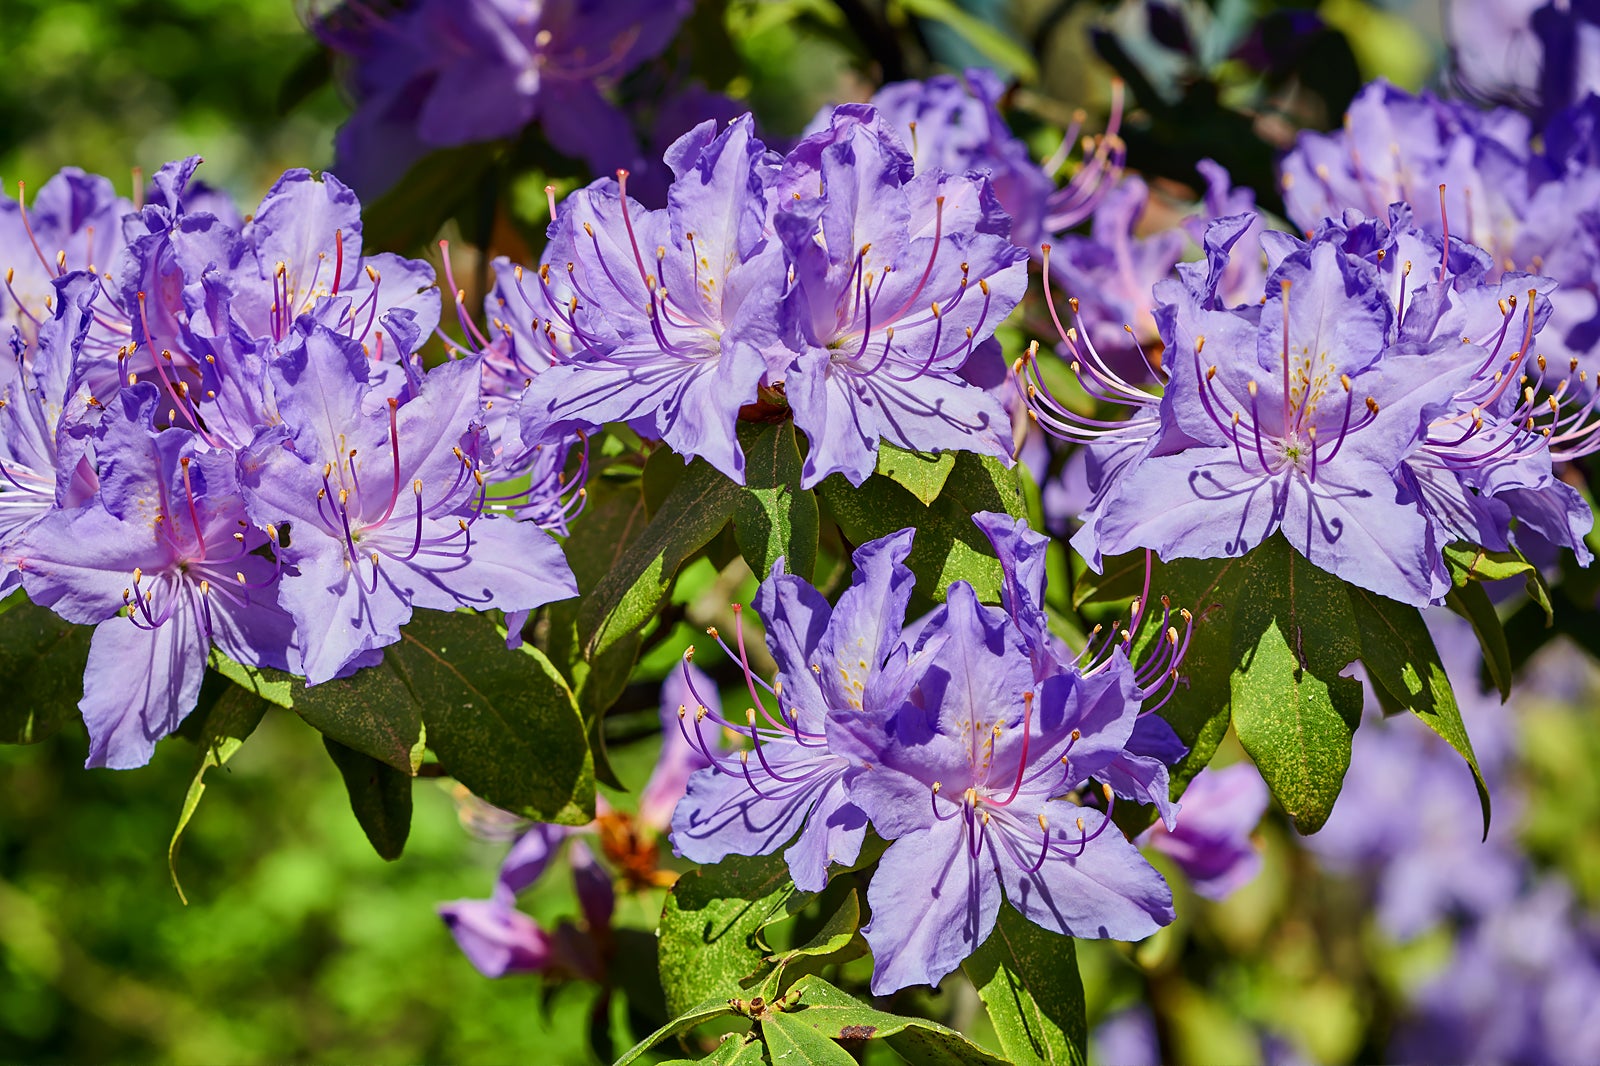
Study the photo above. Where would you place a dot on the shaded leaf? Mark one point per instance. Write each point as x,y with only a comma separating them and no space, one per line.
773,517
1471,602
1028,979
229,723
709,928
380,798
1400,657
997,46
42,657
629,593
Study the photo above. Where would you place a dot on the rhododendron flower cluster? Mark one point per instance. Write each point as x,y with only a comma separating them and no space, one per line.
972,739
222,439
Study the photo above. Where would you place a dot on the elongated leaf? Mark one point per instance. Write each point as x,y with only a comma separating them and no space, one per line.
502,722
274,686
1028,979
373,712
996,45
628,595
774,518
228,725
791,1042
1471,602
1468,562
1400,657
380,798
837,932
736,1049
1294,633
840,1016
709,928
42,657
922,475
704,1011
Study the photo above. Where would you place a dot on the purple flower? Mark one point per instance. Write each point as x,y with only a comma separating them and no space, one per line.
896,279
444,73
1211,842
965,771
755,800
386,502
45,420
1297,425
165,564
75,224
670,312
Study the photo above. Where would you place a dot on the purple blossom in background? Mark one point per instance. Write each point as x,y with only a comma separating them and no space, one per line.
896,279
442,73
1211,841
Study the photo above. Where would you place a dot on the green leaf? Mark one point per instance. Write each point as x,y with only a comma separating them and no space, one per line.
1028,979
629,594
1122,578
1294,632
701,1012
948,546
839,1016
736,1049
1400,657
791,1042
228,724
837,932
373,711
774,518
503,722
42,657
996,45
709,928
274,686
922,475
1471,602
1468,562
380,797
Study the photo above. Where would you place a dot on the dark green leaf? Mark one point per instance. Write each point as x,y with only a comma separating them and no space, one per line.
709,928
1294,633
374,711
380,797
1121,579
736,1049
790,1042
502,722
997,46
922,475
840,1016
948,546
701,1012
1401,659
837,932
435,188
41,671
1471,602
228,724
774,518
628,595
1028,979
